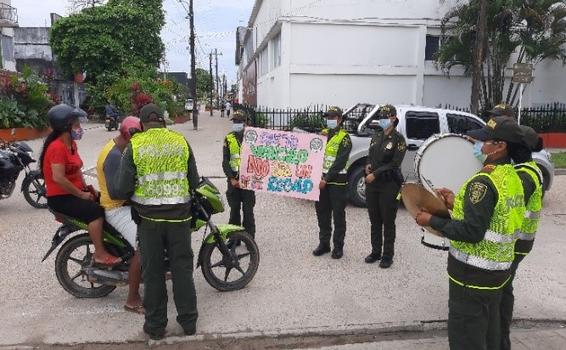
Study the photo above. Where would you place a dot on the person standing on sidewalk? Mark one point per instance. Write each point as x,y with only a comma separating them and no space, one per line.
383,182
333,186
531,178
238,198
228,108
157,172
487,213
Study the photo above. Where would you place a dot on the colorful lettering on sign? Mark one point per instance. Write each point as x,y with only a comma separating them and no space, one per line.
258,166
303,171
281,154
276,184
280,169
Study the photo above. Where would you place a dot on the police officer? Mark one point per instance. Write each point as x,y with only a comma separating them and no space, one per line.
383,181
487,212
157,172
237,198
531,179
333,186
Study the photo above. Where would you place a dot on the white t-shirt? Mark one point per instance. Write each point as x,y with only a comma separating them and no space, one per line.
228,105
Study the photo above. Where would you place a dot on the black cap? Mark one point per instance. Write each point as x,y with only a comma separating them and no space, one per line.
502,109
151,113
239,115
531,139
333,111
499,128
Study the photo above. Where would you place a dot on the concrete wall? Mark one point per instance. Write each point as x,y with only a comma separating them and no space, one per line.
32,43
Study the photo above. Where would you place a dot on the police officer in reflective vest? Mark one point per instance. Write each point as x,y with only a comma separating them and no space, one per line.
531,178
238,199
157,172
487,214
383,182
333,186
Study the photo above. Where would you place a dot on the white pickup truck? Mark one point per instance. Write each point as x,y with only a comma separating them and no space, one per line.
417,124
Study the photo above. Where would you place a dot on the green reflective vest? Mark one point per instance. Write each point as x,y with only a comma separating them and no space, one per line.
331,151
496,251
534,206
161,158
234,147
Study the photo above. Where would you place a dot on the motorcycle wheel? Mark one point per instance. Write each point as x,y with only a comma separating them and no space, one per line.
34,190
217,268
73,256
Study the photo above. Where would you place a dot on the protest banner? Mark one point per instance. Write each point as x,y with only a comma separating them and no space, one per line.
283,163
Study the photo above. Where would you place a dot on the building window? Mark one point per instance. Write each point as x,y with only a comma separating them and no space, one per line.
276,51
432,45
263,62
7,44
421,125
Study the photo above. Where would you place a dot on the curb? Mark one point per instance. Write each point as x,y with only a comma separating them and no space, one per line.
560,171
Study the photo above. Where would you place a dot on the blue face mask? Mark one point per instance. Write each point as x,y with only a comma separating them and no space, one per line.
384,123
77,134
237,127
332,123
478,153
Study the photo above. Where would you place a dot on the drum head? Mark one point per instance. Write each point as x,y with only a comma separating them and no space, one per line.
446,161
415,197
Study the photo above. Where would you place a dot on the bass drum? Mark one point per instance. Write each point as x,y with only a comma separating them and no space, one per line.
447,161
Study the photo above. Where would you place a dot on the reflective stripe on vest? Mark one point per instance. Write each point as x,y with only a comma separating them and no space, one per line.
534,205
234,148
161,158
331,151
496,251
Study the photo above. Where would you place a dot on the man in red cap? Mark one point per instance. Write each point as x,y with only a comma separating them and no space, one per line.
116,212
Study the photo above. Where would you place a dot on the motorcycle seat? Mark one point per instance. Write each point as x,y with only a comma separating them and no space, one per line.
65,219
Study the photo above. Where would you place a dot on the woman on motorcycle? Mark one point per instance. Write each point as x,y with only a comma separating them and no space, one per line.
61,166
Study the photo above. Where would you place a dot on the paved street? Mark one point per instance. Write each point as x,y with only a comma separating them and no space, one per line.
292,291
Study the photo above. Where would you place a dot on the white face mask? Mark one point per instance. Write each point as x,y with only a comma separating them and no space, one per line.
237,127
332,123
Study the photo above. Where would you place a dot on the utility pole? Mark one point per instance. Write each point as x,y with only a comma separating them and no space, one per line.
217,78
224,88
193,69
211,84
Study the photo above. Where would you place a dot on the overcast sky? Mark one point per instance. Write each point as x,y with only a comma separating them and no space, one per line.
215,22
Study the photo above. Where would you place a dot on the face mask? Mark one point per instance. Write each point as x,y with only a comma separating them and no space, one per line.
77,134
384,123
332,123
478,153
237,127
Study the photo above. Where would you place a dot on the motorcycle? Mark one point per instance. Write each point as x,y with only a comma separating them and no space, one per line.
226,250
112,122
15,157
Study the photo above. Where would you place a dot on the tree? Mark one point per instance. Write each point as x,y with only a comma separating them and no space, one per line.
525,31
203,83
78,5
106,40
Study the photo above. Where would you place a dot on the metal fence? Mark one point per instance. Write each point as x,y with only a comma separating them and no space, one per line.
544,119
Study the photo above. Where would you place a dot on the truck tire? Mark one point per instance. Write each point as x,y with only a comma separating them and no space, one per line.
357,187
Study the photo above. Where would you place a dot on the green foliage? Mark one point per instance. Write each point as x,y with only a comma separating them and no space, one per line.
24,100
204,83
559,159
260,120
106,40
535,30
309,122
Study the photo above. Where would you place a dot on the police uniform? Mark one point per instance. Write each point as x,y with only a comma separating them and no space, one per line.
531,179
386,153
157,171
238,199
488,212
333,198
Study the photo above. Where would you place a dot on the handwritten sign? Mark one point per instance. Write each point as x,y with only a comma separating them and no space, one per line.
283,163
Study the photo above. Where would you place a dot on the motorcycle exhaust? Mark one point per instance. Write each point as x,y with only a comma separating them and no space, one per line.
105,277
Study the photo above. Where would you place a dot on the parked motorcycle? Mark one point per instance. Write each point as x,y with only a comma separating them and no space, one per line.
226,265
112,122
15,157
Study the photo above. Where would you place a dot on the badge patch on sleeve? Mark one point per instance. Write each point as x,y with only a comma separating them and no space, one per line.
477,192
402,146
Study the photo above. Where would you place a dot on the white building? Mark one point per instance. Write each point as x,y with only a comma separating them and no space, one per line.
296,53
8,20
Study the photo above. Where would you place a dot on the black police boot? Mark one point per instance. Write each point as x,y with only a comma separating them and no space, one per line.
337,253
190,330
373,257
154,334
386,262
321,249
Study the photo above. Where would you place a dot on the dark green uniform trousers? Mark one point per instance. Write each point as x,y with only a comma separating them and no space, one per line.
332,203
241,200
154,238
507,301
382,204
473,318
